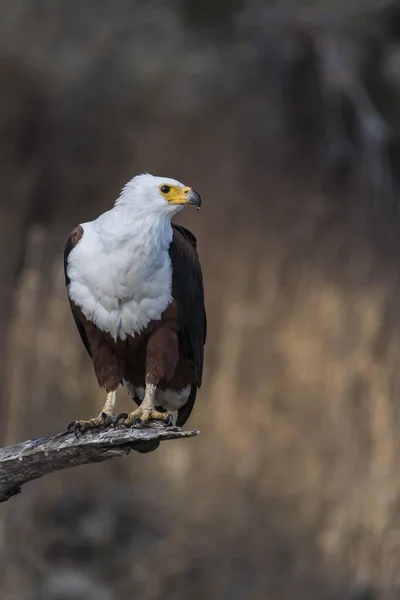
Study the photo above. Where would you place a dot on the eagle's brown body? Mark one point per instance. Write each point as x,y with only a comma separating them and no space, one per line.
169,351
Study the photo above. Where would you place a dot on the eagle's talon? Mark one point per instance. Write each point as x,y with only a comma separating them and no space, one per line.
107,419
141,417
121,417
104,420
77,428
81,428
112,422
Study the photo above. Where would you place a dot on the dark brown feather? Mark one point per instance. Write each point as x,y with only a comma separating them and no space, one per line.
188,292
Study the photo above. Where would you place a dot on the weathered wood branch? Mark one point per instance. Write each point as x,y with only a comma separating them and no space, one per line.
34,458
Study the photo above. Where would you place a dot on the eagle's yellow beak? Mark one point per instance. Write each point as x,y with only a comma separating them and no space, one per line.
184,195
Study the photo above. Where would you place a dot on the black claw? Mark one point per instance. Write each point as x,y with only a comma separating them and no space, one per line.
75,427
136,421
104,419
169,420
121,416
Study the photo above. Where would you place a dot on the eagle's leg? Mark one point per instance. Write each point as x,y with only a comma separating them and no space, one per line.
105,418
146,411
161,360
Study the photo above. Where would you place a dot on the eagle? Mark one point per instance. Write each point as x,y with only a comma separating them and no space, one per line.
135,288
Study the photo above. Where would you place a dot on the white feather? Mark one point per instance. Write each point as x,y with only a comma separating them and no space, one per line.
168,399
120,271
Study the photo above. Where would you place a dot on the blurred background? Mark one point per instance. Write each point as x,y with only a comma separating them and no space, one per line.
285,116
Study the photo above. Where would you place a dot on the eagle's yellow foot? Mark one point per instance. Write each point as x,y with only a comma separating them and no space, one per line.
141,416
105,418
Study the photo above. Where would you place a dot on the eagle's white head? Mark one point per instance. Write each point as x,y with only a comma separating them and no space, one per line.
150,194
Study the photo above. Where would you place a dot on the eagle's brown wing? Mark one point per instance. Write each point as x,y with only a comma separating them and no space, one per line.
73,238
187,290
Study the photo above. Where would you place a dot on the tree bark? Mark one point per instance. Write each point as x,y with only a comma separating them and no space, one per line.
34,458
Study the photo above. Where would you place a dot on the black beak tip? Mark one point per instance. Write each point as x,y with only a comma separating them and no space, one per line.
196,199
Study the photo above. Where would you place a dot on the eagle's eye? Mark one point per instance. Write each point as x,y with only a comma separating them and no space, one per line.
165,189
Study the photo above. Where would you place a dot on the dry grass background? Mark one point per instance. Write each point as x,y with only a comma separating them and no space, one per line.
292,490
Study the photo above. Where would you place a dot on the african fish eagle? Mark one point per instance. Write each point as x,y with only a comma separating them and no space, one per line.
135,288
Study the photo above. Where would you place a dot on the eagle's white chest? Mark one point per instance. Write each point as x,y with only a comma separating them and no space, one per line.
121,279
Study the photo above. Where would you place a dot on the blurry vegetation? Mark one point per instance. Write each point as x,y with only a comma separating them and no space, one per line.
206,14
285,115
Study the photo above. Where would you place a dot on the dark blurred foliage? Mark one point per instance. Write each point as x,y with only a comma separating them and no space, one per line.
285,116
208,15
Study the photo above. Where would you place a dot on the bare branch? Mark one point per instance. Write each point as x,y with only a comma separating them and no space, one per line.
34,458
